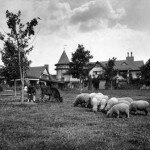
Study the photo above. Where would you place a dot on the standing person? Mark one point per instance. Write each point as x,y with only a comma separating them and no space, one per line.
31,93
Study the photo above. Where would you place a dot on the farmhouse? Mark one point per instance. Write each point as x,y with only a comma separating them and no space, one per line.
39,73
124,67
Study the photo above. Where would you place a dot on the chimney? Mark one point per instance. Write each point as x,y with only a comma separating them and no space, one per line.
130,59
47,67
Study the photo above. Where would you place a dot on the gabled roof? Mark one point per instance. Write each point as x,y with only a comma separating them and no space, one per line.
123,64
36,72
63,59
126,65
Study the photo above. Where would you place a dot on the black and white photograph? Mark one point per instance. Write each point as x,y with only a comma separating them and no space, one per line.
74,74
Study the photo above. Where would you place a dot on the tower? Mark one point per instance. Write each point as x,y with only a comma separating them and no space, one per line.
62,67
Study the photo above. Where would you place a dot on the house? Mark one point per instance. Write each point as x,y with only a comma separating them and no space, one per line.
38,74
124,67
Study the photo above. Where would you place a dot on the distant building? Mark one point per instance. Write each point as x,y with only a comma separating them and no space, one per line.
38,73
127,66
62,68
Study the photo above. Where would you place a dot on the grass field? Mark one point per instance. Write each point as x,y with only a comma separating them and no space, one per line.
48,126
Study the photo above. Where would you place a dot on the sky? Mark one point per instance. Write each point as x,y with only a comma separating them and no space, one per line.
107,28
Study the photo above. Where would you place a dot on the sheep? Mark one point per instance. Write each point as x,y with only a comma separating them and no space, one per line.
140,105
92,95
99,93
81,99
124,101
129,99
110,103
95,102
118,109
113,101
103,104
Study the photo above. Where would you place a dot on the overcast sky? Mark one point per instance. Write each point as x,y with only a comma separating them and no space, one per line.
108,28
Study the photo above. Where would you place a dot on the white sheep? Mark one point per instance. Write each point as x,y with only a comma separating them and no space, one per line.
118,109
111,102
95,102
129,99
92,95
82,99
140,105
103,104
99,93
124,101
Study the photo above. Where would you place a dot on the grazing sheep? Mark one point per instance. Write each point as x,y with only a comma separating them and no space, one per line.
129,99
95,102
103,104
140,105
110,103
118,109
81,99
92,95
100,93
124,101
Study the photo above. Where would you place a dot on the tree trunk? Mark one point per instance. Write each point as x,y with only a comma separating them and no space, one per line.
22,87
15,88
21,78
81,88
111,86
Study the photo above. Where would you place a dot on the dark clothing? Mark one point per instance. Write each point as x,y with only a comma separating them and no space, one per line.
31,92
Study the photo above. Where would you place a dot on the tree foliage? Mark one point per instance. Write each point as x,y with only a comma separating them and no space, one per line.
145,73
16,45
110,70
80,58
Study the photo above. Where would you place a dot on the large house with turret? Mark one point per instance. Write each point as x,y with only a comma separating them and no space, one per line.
62,68
127,66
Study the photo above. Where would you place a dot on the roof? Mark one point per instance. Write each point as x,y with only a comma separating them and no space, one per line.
123,64
35,72
63,59
126,65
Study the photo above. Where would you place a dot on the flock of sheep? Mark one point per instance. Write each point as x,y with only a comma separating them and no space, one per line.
112,106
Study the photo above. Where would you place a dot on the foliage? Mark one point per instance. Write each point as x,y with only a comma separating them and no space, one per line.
80,58
16,43
145,73
110,70
16,47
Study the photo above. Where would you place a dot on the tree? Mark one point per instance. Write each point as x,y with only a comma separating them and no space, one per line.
145,73
17,47
110,71
80,58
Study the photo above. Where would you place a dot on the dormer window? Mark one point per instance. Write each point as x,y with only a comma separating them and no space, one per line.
124,64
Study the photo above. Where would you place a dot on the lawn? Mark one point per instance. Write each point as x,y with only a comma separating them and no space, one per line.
48,126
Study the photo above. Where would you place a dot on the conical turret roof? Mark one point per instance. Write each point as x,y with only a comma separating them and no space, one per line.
63,59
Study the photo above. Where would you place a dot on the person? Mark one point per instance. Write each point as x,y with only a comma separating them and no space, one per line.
31,91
